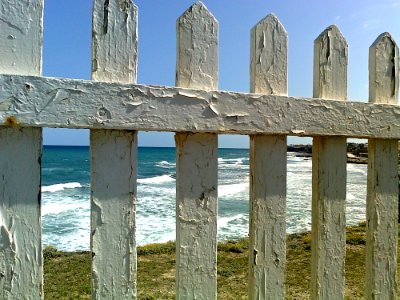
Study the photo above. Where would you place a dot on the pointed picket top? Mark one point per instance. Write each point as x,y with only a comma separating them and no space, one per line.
114,41
197,10
269,55
384,70
113,197
270,20
330,65
328,200
197,48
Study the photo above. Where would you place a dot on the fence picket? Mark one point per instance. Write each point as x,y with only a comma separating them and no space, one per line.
113,158
112,107
21,262
196,159
382,183
267,254
329,173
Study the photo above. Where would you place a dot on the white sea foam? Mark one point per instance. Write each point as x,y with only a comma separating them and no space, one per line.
155,229
66,209
165,164
156,180
224,221
72,235
232,189
60,186
56,208
237,161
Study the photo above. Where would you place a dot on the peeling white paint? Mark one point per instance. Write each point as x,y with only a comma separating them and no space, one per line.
196,158
268,67
329,173
21,263
21,25
267,249
113,197
384,70
162,109
382,183
114,109
197,39
113,155
115,29
196,196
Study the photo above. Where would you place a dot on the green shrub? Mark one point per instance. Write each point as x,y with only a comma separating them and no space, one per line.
50,252
156,248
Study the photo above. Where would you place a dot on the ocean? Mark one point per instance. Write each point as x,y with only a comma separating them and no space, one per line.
66,195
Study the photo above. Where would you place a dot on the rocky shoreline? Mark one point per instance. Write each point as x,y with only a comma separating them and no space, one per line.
356,153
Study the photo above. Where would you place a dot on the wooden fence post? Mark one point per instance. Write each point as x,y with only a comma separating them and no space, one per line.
382,183
268,160
196,159
21,263
329,174
113,157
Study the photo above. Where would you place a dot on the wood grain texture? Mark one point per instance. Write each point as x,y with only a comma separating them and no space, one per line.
197,49
21,27
268,57
382,183
267,255
196,162
21,262
268,73
68,103
196,216
114,158
328,248
114,41
383,70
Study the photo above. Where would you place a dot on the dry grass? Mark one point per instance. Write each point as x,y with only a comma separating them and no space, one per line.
67,275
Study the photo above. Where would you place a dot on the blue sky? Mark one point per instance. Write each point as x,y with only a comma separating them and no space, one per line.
67,30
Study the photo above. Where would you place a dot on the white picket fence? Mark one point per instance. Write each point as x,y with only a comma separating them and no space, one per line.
114,108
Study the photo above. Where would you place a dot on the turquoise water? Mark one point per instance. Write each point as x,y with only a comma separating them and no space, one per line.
66,195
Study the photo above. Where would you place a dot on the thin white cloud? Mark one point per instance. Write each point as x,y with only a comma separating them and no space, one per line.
368,24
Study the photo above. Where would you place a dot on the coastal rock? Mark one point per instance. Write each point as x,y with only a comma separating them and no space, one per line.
357,153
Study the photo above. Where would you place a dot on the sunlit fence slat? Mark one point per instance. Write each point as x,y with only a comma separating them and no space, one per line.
113,156
329,174
115,108
267,255
21,263
382,183
196,162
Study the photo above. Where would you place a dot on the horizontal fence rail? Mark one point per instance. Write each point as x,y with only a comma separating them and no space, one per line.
115,108
28,101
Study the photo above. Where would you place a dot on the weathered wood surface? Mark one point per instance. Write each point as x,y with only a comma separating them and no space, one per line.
68,103
113,185
197,49
382,183
21,263
114,41
196,213
267,253
21,27
196,162
114,158
329,161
